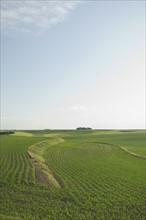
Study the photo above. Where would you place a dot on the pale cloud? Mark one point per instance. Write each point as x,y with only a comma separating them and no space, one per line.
79,108
75,108
36,16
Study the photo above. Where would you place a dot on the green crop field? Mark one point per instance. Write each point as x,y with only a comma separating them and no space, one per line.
73,175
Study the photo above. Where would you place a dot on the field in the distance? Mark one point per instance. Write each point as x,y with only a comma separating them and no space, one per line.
73,175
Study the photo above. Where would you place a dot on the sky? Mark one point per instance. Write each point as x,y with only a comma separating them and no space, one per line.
66,64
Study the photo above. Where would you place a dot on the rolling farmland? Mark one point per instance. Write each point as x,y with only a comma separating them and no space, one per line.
73,175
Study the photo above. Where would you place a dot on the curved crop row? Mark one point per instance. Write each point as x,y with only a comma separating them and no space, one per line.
92,168
17,169
97,179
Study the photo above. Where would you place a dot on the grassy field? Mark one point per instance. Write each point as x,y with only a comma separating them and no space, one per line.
73,175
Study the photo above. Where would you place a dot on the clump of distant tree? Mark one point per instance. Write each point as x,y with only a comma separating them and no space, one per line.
83,128
6,132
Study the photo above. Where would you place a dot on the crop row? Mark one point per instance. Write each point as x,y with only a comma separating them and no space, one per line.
15,163
92,170
99,181
16,167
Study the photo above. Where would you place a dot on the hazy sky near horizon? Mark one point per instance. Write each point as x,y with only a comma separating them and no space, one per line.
66,64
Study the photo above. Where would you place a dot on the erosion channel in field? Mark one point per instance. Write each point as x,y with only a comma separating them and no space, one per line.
36,153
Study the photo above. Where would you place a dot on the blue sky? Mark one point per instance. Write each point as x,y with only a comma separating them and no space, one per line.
66,64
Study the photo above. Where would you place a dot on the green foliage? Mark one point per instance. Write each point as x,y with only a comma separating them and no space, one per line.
98,180
6,132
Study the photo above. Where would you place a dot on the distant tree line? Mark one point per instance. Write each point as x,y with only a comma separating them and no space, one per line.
83,128
6,132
